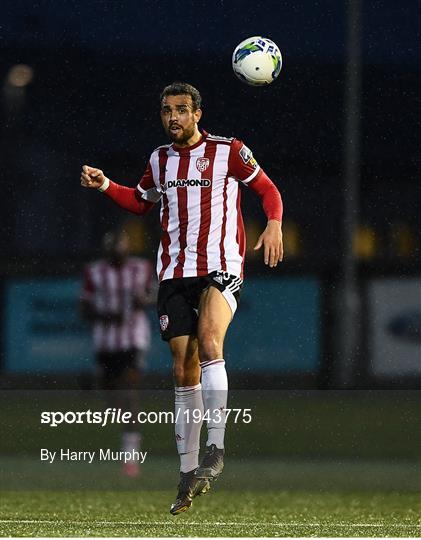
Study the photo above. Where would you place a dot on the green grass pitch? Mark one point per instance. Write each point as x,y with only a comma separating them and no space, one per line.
223,513
308,465
342,499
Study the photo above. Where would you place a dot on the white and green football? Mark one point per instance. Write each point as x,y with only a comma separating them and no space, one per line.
257,61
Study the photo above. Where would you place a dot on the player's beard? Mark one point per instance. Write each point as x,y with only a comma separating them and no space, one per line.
182,136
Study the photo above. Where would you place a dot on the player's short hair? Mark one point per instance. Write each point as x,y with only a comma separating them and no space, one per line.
180,88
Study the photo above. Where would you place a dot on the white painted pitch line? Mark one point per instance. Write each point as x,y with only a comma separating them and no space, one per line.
201,523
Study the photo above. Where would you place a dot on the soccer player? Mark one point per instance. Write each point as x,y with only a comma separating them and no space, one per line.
116,290
200,265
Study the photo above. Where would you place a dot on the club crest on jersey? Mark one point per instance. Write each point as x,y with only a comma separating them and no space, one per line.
247,156
163,322
202,163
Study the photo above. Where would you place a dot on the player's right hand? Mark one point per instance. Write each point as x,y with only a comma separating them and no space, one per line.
91,177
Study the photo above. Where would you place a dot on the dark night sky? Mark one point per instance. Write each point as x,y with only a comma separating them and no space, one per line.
99,67
391,29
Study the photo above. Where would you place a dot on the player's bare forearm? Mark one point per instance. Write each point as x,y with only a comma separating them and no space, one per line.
271,240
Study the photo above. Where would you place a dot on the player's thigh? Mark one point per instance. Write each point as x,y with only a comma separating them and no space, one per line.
214,316
186,366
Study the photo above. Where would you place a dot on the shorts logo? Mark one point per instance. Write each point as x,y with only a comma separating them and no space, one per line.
202,163
163,322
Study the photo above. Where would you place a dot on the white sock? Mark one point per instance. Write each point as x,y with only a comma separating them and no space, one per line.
215,395
130,441
188,409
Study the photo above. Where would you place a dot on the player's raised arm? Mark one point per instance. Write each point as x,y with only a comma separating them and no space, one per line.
246,169
131,199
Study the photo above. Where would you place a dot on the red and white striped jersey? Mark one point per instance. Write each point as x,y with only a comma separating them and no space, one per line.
112,289
201,221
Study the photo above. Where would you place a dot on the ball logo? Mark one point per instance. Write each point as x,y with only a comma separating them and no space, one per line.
163,322
202,163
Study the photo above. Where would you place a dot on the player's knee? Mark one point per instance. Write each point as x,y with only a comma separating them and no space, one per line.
210,347
186,375
179,373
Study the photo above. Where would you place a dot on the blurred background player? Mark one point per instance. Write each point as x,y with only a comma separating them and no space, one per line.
116,291
200,265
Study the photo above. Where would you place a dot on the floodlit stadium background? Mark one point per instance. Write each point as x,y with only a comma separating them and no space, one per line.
81,86
331,339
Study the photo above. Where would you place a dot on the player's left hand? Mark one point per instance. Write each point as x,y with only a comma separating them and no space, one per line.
271,240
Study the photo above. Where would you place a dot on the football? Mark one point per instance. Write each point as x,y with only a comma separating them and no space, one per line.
257,61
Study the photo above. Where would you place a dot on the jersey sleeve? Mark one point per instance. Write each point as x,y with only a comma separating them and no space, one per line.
147,187
146,182
241,163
